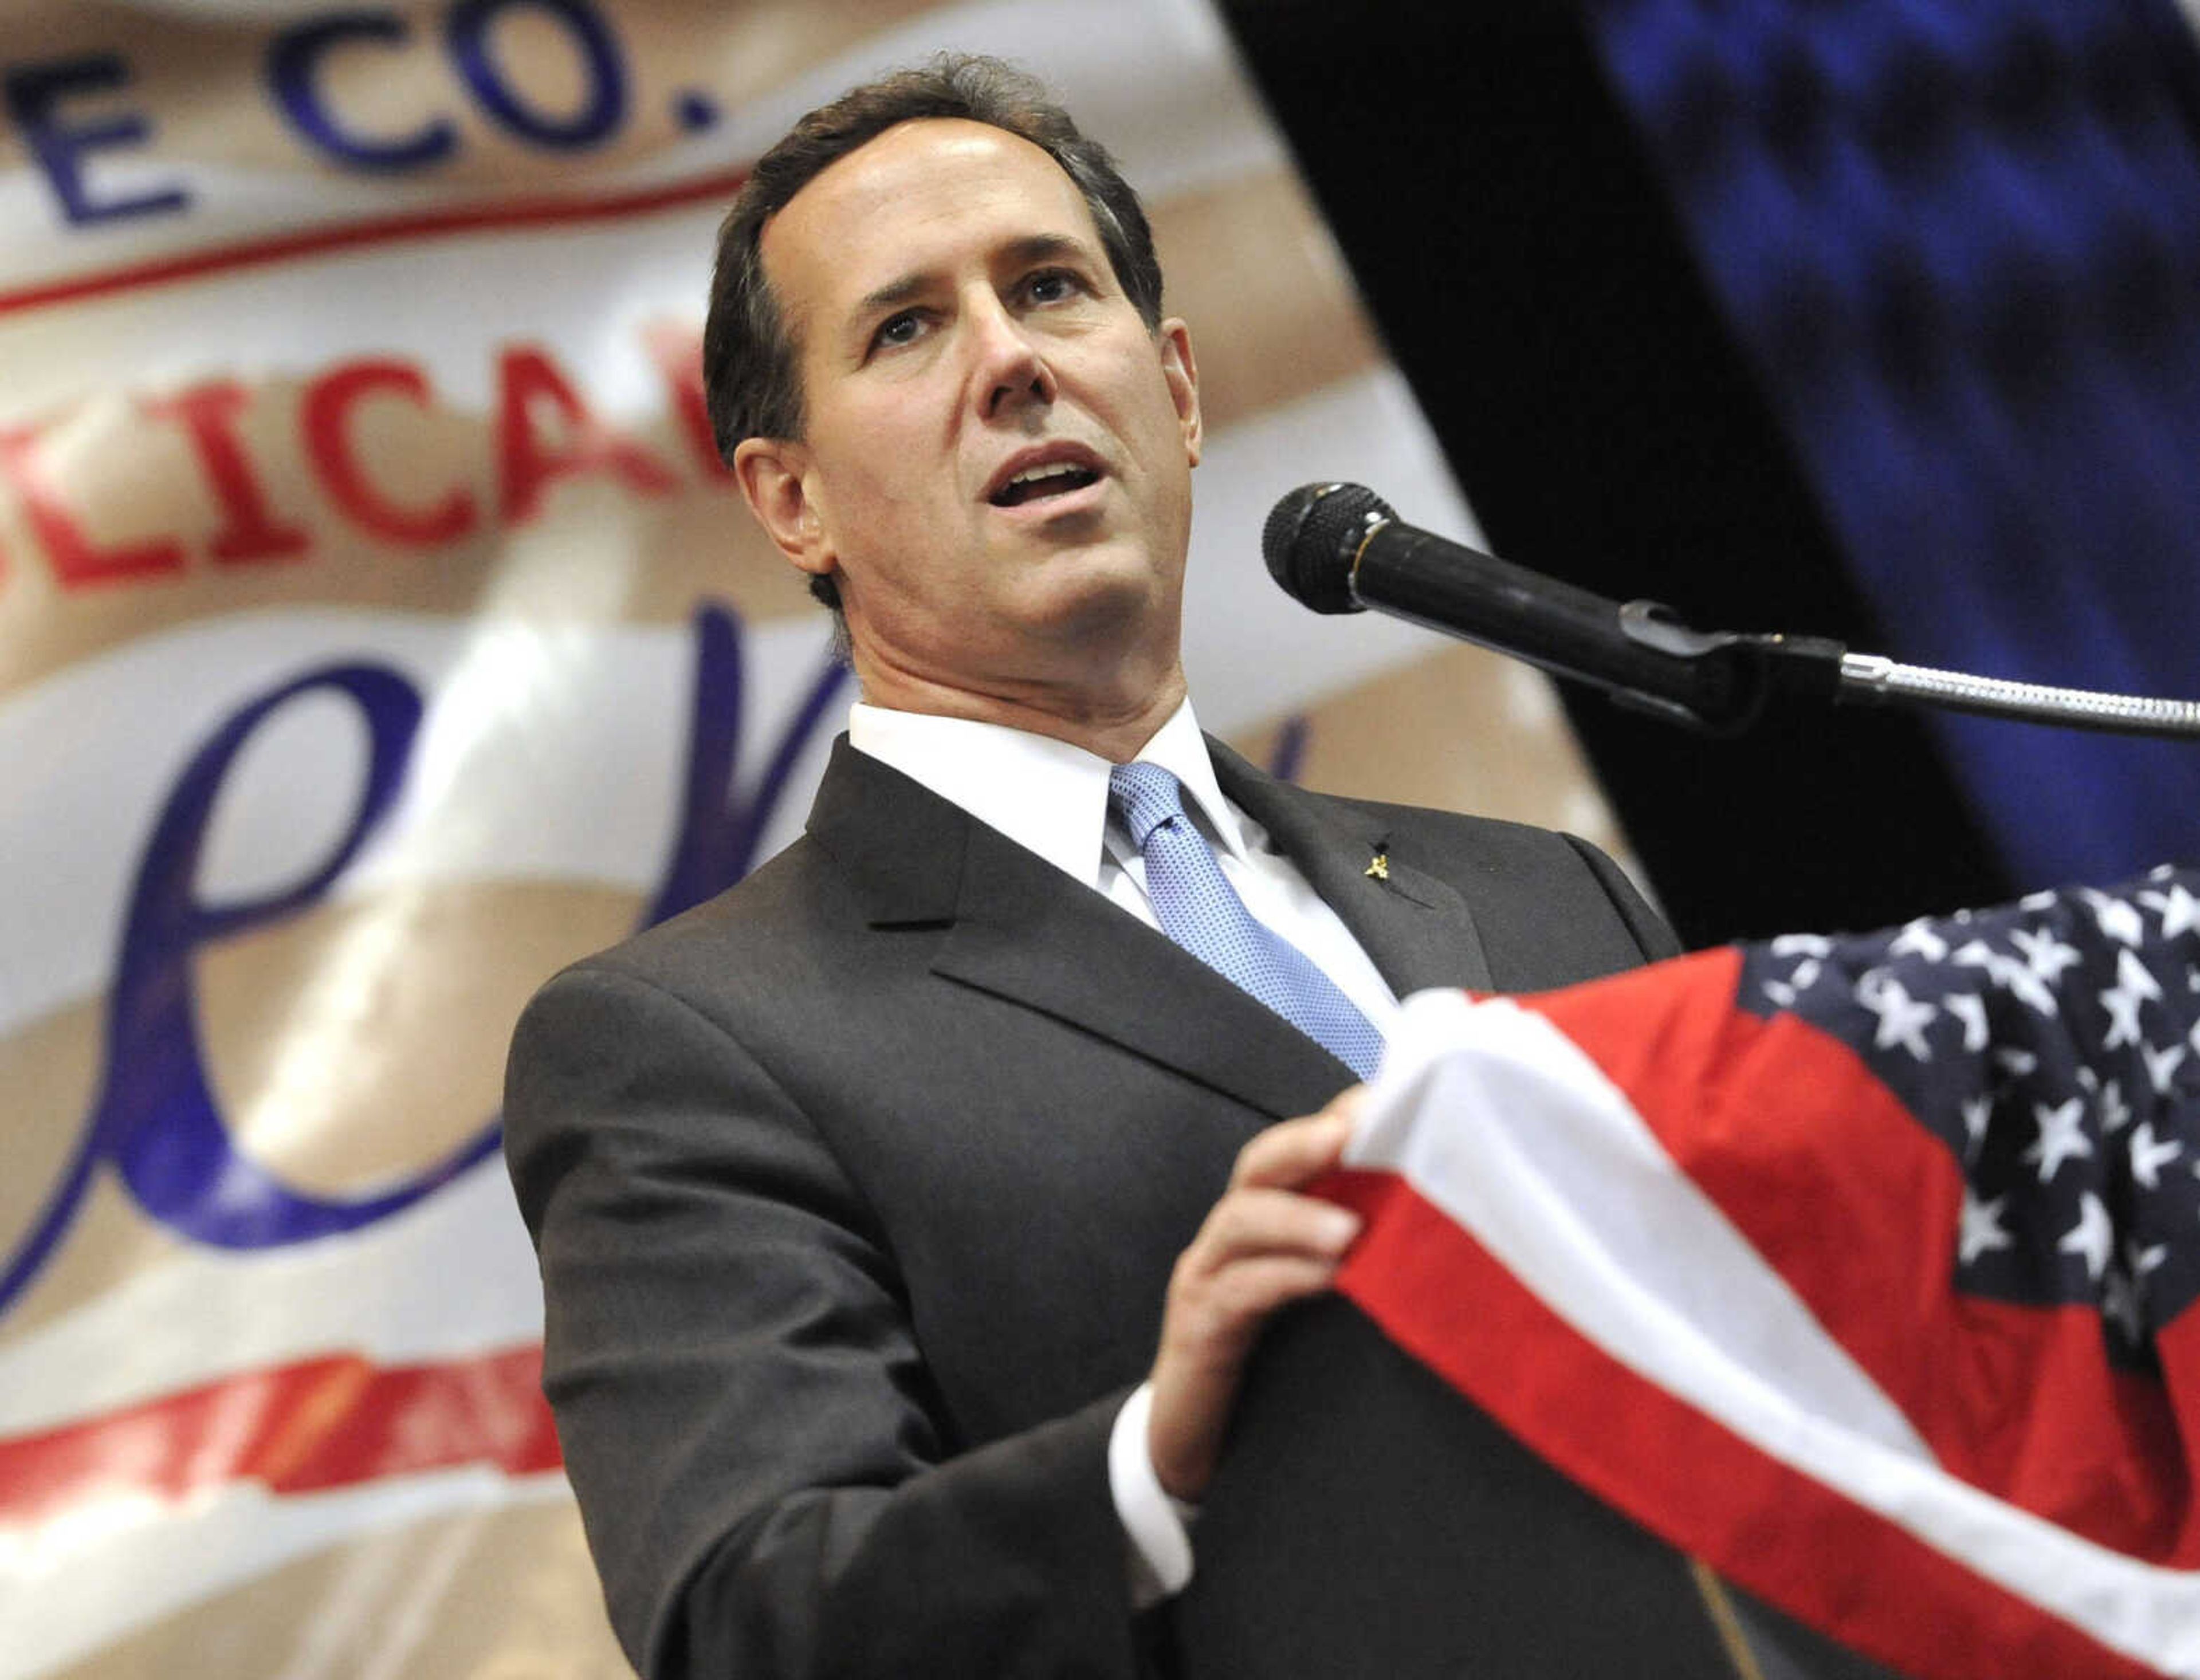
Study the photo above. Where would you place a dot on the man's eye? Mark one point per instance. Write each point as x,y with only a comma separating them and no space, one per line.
1051,286
897,330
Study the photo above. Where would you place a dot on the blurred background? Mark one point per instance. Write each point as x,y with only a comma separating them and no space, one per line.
379,633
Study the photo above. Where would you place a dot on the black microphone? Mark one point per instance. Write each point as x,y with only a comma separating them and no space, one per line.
1338,548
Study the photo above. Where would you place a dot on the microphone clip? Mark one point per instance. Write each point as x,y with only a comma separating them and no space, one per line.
1745,671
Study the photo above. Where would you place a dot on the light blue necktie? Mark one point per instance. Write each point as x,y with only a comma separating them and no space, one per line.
1198,908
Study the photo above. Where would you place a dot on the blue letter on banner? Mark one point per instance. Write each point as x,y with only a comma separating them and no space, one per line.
598,118
154,1118
32,92
294,59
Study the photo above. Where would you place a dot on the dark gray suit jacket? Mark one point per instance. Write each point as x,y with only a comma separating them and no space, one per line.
856,1192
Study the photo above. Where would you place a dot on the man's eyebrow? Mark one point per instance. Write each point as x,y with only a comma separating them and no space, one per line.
1035,248
892,295
1045,248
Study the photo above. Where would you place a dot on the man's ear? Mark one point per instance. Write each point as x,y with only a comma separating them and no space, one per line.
774,474
1181,372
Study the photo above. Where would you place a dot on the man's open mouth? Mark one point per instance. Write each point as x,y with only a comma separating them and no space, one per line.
1058,478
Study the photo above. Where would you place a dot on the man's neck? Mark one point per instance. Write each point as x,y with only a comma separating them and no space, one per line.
1112,725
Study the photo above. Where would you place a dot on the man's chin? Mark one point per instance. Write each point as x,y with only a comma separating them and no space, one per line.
1101,596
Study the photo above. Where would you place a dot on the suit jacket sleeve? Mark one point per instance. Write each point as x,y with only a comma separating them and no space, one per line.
745,1415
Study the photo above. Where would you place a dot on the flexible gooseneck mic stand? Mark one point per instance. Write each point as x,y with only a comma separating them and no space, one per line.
1869,678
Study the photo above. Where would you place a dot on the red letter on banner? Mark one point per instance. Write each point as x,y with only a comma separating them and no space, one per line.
678,352
208,413
77,562
326,411
527,376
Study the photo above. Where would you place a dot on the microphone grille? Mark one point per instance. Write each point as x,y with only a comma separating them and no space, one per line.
1311,538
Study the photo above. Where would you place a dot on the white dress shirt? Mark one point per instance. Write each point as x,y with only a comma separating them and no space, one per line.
1052,798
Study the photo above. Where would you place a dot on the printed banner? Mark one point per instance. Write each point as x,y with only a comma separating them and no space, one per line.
377,632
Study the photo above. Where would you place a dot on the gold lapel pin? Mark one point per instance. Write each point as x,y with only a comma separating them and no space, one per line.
1378,866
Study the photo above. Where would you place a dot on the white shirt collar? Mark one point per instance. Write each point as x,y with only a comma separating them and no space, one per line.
1045,795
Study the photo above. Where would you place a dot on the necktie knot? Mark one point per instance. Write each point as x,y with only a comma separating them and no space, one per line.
1145,797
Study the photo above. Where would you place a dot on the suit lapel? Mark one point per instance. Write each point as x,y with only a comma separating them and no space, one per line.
1418,931
1021,930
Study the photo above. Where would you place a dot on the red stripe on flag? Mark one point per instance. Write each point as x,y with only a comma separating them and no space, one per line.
375,230
1857,1206
1793,1541
300,1428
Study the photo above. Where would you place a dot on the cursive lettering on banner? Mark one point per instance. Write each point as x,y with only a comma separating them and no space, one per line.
155,1122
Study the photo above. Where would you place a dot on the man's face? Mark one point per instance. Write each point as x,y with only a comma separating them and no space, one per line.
997,460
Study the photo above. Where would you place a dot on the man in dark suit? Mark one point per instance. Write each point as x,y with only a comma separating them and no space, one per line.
907,1213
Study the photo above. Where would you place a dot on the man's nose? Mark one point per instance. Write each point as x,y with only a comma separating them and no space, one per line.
1009,367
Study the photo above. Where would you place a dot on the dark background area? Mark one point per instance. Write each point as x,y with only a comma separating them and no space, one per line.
1526,268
